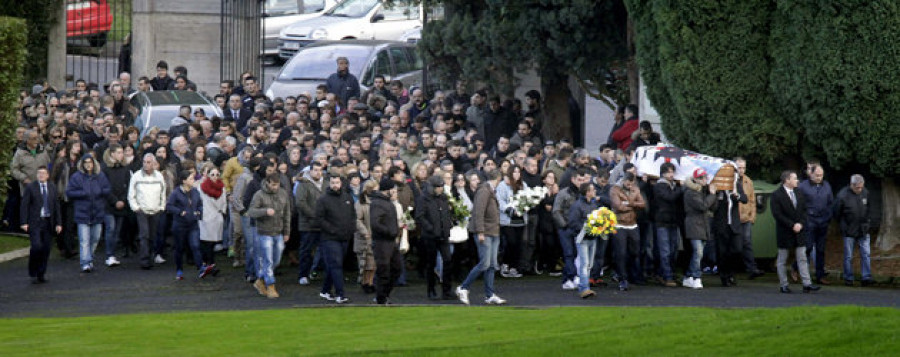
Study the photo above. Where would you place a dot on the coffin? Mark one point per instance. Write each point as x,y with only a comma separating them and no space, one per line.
648,159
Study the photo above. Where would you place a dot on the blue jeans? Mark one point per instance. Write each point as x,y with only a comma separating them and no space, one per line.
308,242
667,241
864,250
88,237
333,253
189,234
250,244
567,243
113,229
599,257
586,250
270,249
487,264
694,267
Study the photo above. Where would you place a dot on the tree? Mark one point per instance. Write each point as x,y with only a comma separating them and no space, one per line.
774,79
12,62
40,20
488,40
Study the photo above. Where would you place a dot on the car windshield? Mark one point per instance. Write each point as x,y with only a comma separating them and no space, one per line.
320,62
353,8
289,7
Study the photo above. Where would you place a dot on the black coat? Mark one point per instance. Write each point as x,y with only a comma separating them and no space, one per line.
383,217
240,121
337,215
720,219
853,212
786,215
433,215
119,177
668,204
30,212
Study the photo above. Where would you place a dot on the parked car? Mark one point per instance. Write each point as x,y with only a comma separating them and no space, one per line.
411,36
313,65
88,20
352,19
279,14
157,108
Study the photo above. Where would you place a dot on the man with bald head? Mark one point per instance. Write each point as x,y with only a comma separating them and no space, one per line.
147,198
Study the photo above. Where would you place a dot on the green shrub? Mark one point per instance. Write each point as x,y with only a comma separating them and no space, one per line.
12,61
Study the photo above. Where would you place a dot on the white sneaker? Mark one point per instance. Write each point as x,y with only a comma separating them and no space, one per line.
576,281
326,296
303,281
504,269
341,300
218,248
159,259
462,294
513,273
494,300
569,285
688,282
697,284
112,262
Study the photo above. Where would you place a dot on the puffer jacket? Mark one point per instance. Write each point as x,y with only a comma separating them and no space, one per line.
579,211
625,202
280,222
433,215
88,191
119,176
698,207
187,202
382,217
337,215
305,200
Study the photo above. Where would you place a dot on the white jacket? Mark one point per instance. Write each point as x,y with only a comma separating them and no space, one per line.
147,193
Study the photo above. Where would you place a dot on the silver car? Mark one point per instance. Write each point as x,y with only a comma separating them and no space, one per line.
158,108
282,13
313,64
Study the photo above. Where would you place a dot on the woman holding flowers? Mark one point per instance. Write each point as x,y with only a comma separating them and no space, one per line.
586,241
512,221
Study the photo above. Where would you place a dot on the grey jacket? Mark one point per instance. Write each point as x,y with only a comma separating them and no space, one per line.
279,200
698,207
305,200
561,205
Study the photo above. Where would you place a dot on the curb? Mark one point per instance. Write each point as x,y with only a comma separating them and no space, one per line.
16,254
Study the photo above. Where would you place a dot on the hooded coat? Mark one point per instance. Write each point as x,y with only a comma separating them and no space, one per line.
118,176
88,191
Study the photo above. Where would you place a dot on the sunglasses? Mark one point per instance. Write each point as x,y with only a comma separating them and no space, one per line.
57,137
213,175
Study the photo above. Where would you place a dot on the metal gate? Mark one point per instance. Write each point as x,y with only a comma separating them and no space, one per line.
97,41
241,40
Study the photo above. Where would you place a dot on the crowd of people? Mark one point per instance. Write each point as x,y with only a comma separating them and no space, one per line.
319,177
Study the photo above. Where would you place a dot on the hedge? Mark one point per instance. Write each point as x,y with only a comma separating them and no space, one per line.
12,62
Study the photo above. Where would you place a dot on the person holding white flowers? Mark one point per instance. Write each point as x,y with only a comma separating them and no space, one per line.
512,221
584,241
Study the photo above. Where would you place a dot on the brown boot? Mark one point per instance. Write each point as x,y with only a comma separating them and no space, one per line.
270,292
260,286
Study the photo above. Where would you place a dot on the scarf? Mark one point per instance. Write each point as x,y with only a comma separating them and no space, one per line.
212,188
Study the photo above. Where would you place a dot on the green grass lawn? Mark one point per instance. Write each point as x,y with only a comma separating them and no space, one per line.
465,331
9,243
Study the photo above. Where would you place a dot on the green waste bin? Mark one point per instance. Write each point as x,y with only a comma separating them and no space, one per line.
764,243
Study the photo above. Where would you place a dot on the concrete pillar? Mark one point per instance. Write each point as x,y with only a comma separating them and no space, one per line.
56,48
180,32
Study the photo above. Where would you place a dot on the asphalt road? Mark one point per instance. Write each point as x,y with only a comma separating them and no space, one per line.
127,289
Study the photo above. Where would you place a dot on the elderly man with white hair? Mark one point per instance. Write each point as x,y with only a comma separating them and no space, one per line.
147,198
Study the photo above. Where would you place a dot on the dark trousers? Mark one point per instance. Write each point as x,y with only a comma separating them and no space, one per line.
67,242
187,235
548,250
308,243
626,249
388,262
40,248
567,243
207,250
526,262
162,232
147,224
729,251
816,239
430,249
512,245
333,254
599,257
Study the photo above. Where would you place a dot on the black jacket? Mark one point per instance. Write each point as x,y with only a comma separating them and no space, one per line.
668,203
119,177
30,212
337,215
720,218
853,212
383,217
786,215
433,215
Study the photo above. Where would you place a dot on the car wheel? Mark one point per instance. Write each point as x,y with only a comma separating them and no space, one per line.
98,40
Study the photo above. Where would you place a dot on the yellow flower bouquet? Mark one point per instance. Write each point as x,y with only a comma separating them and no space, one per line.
600,223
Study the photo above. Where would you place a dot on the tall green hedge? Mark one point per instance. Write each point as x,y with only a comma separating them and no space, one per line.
707,62
38,15
836,76
775,78
12,61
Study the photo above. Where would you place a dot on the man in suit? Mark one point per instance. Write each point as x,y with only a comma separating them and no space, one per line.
40,213
789,209
236,113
